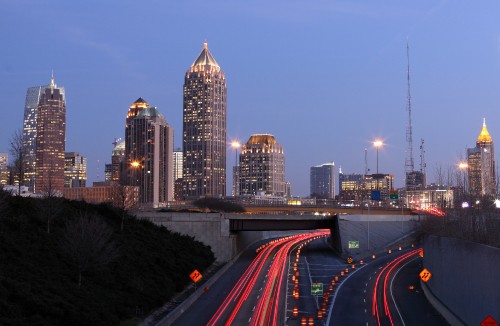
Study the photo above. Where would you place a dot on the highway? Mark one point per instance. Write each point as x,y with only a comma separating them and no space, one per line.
254,290
386,291
271,284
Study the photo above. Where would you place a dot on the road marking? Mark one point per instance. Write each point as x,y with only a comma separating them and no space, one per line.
254,309
364,291
370,278
365,310
249,319
366,284
364,300
392,295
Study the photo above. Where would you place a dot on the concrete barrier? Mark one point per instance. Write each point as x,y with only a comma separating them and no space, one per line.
465,277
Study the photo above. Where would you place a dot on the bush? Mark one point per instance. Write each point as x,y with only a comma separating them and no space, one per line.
39,280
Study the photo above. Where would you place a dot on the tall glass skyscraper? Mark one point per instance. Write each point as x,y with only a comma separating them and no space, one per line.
148,153
204,128
29,133
322,181
50,138
481,165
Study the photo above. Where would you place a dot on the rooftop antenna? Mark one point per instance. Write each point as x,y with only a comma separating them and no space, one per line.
116,142
409,166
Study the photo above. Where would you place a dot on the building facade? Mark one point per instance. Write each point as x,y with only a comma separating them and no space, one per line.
359,187
149,154
29,133
50,139
481,165
322,181
204,128
262,167
4,169
75,170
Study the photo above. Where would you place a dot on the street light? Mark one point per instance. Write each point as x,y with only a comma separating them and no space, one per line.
377,143
235,144
463,166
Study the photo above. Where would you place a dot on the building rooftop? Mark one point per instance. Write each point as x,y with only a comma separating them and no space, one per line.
267,139
484,136
205,58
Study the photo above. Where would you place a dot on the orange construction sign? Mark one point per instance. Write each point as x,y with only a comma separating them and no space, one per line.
425,275
195,276
421,253
489,321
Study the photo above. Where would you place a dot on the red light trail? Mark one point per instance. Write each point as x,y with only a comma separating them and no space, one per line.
266,311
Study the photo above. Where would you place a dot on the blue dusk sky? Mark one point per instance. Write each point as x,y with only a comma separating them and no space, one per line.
324,77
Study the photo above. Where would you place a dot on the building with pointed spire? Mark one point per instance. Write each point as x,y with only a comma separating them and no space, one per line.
204,128
262,167
46,108
149,154
481,165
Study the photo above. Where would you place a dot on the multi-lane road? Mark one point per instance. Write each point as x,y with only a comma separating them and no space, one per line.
278,283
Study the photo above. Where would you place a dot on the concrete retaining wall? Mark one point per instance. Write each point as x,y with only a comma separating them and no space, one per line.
465,277
210,229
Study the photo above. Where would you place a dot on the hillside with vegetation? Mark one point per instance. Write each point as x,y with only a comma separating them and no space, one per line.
71,263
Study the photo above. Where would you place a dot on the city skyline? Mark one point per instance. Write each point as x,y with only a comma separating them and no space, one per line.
326,79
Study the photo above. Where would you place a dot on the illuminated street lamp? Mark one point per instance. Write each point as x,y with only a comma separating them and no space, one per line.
235,144
377,143
463,166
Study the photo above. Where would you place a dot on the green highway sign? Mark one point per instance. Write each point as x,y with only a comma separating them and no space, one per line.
317,289
393,195
353,244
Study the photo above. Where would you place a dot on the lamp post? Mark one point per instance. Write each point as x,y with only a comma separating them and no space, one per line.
235,144
377,143
463,166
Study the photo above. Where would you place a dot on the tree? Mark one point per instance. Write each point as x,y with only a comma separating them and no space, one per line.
19,153
4,201
218,205
124,199
87,243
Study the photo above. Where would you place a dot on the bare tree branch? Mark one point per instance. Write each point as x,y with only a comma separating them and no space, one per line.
88,245
18,151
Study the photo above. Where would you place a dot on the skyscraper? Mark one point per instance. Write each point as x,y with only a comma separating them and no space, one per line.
322,181
204,128
4,169
29,133
50,139
75,170
148,153
481,165
117,158
262,167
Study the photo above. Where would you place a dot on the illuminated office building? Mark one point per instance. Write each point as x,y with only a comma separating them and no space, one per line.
359,187
50,139
204,128
322,181
262,167
148,153
29,133
4,169
178,174
75,170
481,165
117,159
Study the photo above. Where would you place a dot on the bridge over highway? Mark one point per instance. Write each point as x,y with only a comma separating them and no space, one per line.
229,234
297,209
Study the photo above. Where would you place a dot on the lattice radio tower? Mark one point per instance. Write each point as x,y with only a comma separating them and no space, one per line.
409,165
